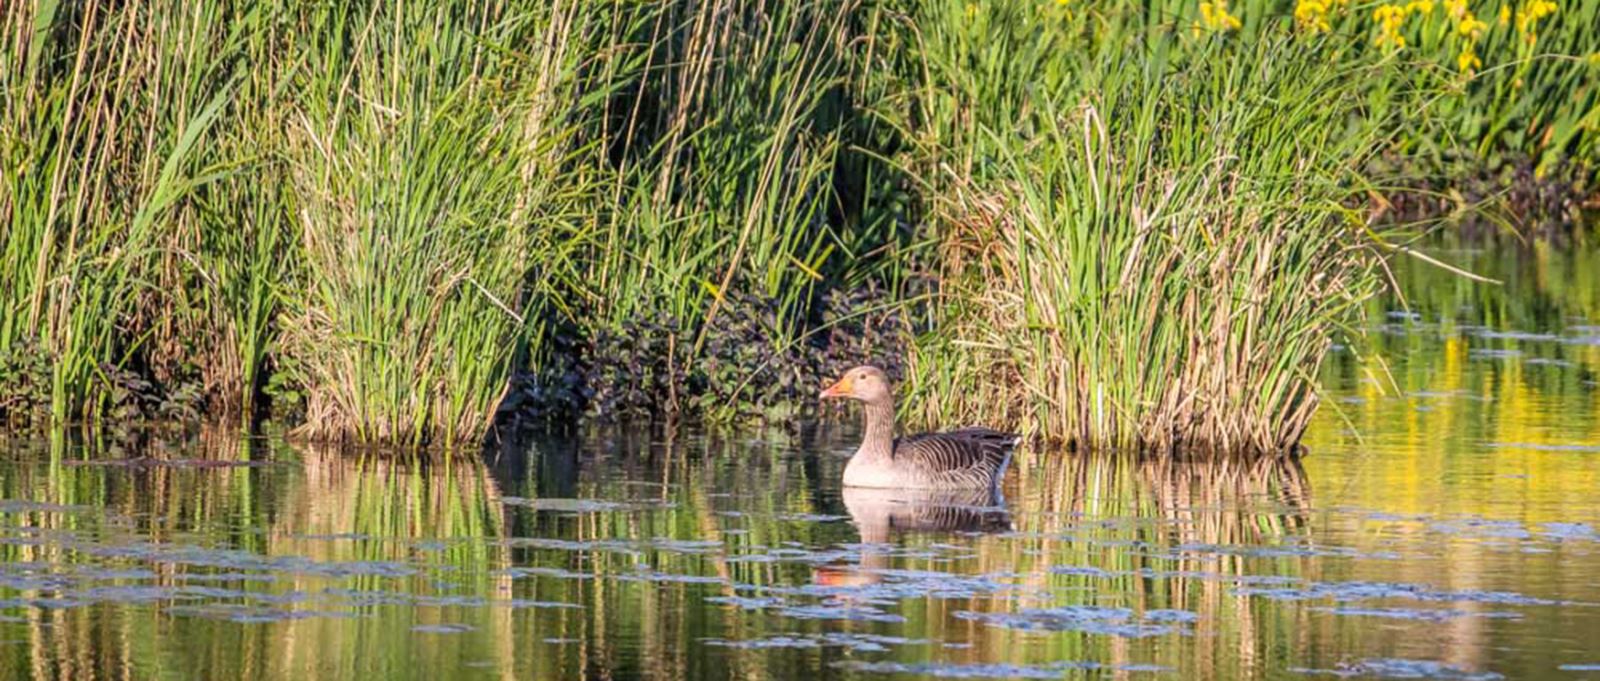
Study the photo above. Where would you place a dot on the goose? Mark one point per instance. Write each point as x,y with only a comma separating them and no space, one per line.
968,458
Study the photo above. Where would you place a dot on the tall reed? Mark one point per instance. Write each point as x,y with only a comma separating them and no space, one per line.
426,153
724,143
1140,247
105,111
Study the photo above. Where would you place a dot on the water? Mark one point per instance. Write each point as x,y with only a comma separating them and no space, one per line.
1457,537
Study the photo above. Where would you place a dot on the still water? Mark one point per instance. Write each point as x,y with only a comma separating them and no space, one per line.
1445,525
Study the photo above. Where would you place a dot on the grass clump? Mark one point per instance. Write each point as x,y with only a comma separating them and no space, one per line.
1140,246
102,127
426,162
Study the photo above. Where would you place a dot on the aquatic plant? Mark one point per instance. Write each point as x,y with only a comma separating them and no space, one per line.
426,163
101,131
377,222
1139,249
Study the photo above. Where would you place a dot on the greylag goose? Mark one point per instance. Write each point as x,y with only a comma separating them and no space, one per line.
969,458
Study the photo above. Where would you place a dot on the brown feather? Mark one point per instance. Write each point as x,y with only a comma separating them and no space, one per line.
969,457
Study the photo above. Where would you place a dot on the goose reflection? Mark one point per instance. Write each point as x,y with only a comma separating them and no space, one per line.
883,515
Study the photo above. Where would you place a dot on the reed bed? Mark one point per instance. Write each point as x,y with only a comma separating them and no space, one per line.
424,161
1140,250
1112,223
103,131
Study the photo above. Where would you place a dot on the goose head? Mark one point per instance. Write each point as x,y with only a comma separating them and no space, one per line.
864,383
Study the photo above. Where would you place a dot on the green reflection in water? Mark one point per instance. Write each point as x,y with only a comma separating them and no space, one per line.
1485,401
1457,535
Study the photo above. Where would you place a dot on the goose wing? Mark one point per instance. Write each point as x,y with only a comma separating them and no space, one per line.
965,458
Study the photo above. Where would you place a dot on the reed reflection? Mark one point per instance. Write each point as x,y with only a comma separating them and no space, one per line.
638,556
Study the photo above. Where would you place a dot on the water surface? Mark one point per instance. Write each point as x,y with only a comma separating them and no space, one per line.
1445,525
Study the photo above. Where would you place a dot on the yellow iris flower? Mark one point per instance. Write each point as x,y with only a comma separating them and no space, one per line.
1389,18
1312,15
1528,17
1215,16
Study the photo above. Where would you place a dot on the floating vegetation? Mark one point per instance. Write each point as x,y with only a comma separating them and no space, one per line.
443,628
577,505
985,671
1363,591
1119,622
1417,615
1391,668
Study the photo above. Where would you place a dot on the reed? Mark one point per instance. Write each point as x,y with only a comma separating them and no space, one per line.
724,127
725,159
1140,248
370,216
101,136
423,159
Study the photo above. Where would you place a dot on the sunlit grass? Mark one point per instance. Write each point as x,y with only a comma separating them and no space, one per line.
100,133
1139,247
369,217
423,162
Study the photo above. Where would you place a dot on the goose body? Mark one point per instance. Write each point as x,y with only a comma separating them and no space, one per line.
968,458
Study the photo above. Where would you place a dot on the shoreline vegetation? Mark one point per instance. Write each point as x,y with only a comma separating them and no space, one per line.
1106,224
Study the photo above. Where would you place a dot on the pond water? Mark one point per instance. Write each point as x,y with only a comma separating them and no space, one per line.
1445,525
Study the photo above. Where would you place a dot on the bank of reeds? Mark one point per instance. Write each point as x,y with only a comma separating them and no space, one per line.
108,111
371,213
374,219
1138,249
425,154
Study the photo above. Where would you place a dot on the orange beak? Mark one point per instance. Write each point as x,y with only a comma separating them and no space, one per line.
840,389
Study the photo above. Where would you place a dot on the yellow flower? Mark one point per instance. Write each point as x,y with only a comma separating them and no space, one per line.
1419,7
1389,18
1215,16
1468,61
1470,28
1528,17
1505,15
1456,9
1312,15
1062,3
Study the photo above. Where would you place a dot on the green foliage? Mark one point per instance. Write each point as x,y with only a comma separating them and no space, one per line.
1140,247
423,164
377,218
100,132
1482,78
